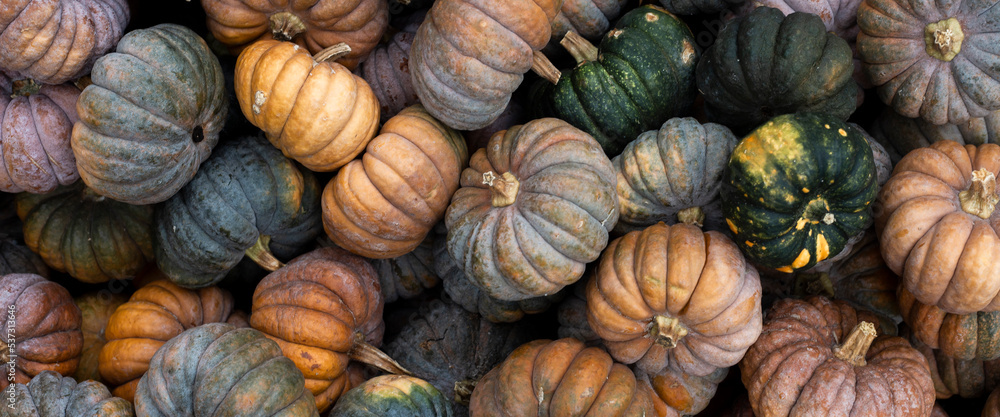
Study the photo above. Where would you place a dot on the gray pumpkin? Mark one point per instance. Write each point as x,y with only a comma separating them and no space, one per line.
52,395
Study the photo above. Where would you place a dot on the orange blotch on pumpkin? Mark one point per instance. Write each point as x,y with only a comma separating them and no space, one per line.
822,247
732,226
802,259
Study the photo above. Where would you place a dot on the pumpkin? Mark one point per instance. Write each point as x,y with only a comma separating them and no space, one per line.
408,275
673,175
641,75
992,406
470,55
822,357
572,316
96,308
535,207
58,41
156,313
387,72
46,332
694,7
385,203
217,368
151,116
89,236
324,309
35,126
935,226
561,377
929,59
514,114
765,64
312,24
392,396
797,188
589,18
52,395
315,110
973,378
678,393
960,336
244,197
900,134
15,257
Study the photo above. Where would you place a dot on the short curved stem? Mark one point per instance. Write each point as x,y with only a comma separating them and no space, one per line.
332,53
503,188
855,347
541,65
285,26
579,47
981,198
667,331
364,352
692,215
260,253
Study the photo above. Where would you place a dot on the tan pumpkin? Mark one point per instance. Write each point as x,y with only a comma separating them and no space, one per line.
96,308
315,110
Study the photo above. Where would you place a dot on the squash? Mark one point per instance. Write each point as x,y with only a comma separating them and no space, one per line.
52,395
46,332
839,17
15,256
572,316
766,64
900,134
973,378
89,236
408,275
589,18
151,116
960,336
678,393
245,197
535,207
387,72
992,406
218,368
695,7
58,41
514,114
935,226
96,308
393,396
385,203
797,189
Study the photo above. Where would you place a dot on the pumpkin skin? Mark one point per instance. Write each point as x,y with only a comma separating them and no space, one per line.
393,396
15,257
564,183
693,7
678,167
96,308
156,313
387,72
960,336
900,134
677,393
35,125
797,366
748,78
46,334
820,198
407,276
589,18
151,116
52,395
312,24
929,59
58,41
839,17
470,55
245,193
91,237
974,378
217,369
385,203
572,316
944,253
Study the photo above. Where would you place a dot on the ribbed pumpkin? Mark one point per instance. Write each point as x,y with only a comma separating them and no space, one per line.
35,126
572,316
46,329
393,396
589,18
385,203
673,174
535,207
151,116
156,313
797,189
936,226
678,393
312,24
245,197
932,60
316,111
217,369
514,114
470,55
839,17
96,308
960,336
692,7
387,72
52,395
58,41
974,378
641,75
408,275
992,406
765,64
15,256
900,134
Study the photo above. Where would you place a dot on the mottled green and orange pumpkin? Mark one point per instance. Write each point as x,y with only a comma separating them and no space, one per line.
960,336
393,396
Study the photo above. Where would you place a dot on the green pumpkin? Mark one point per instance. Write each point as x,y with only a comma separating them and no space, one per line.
246,199
641,75
393,396
52,395
797,188
91,237
152,115
408,275
764,64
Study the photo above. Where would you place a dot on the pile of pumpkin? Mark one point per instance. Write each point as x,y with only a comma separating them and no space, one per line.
406,208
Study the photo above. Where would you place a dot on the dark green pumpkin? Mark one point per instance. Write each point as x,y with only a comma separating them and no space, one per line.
152,115
797,189
407,276
52,395
641,75
245,196
91,237
764,64
691,7
217,367
393,396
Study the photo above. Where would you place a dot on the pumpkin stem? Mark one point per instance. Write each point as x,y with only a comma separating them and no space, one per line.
332,53
813,284
463,391
90,195
579,47
24,88
667,331
856,345
692,215
285,26
83,82
541,65
504,188
981,197
364,352
943,40
260,253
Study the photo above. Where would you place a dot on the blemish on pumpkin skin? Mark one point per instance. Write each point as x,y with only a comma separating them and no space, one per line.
259,98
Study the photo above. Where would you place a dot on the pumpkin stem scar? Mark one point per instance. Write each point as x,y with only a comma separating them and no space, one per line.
856,345
24,88
579,48
981,197
667,331
259,98
285,26
828,218
261,254
943,39
332,53
541,65
692,215
504,188
364,352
